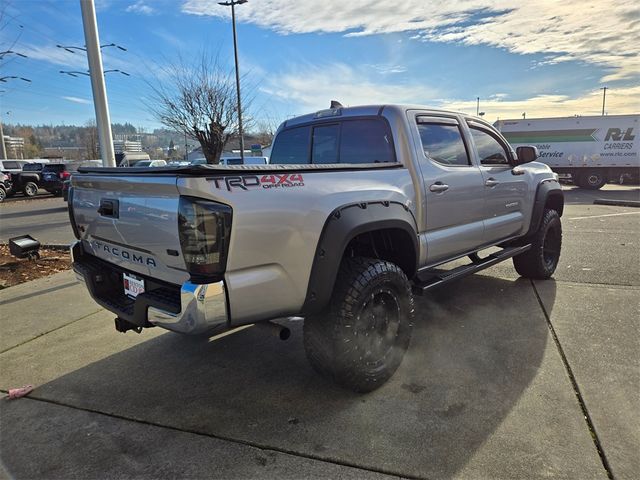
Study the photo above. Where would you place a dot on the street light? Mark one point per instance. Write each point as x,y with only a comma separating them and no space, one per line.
604,97
9,52
71,48
4,79
232,4
74,73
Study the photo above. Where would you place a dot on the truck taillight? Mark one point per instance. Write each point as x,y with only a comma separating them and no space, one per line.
64,175
204,229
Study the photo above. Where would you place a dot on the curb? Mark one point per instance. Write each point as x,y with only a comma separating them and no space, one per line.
617,203
49,246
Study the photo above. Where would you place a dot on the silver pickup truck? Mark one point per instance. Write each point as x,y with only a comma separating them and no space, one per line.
359,210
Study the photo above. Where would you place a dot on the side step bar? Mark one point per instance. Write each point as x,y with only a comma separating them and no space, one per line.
439,278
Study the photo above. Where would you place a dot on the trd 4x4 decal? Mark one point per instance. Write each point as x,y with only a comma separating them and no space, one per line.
245,182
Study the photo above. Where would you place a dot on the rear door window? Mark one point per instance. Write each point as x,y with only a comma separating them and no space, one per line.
443,144
365,141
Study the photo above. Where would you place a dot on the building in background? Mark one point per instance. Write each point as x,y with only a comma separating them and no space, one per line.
14,146
125,145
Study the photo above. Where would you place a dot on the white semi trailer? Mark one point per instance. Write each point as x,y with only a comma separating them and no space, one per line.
593,150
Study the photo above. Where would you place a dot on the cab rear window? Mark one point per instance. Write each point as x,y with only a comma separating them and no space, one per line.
348,142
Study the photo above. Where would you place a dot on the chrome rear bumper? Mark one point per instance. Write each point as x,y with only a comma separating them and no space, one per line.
189,308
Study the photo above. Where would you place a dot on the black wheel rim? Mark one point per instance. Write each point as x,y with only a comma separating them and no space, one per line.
379,323
551,247
593,179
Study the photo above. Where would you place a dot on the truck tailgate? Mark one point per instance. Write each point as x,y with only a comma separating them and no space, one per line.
131,221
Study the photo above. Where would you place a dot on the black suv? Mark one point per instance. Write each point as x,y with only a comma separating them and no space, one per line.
54,176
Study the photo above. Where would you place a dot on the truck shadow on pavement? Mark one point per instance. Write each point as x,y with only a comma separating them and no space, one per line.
476,347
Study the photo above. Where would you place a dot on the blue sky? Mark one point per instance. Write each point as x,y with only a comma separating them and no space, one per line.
540,57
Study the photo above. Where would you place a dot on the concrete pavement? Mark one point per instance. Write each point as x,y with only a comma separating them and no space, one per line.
496,384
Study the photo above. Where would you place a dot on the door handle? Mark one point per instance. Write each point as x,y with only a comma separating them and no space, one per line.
439,187
491,182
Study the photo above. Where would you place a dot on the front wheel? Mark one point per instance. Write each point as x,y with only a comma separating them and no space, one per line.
541,260
30,189
3,194
361,339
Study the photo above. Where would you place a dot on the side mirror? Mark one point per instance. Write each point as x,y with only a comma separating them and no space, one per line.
526,154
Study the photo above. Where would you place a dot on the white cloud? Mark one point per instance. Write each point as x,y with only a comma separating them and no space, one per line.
600,32
83,101
312,87
56,56
141,7
624,100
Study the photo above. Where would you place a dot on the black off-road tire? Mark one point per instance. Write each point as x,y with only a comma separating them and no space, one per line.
359,341
30,189
3,194
541,260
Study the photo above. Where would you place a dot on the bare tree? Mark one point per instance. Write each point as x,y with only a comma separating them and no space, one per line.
90,140
198,100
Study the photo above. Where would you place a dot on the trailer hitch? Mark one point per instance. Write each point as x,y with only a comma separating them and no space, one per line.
124,326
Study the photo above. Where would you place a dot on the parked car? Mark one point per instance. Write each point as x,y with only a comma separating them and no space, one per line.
29,180
150,163
127,159
13,167
54,175
359,212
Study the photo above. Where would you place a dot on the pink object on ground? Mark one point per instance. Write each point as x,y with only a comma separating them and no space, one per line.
20,392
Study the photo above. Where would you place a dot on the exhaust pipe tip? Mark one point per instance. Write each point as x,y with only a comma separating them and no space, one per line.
285,333
277,330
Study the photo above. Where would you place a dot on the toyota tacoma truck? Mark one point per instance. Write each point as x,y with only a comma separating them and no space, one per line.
360,209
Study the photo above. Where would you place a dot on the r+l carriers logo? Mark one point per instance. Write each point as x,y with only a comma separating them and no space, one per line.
617,135
246,182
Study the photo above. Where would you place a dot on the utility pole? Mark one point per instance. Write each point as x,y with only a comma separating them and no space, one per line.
3,150
477,106
103,122
233,3
186,152
604,98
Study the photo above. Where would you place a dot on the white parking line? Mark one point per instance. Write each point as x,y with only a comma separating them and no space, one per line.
607,215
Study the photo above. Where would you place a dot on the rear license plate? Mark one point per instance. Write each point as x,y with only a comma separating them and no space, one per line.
133,286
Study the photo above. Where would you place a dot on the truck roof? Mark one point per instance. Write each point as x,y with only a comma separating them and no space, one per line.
364,110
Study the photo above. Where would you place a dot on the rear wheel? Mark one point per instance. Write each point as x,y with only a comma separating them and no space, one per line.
30,189
361,339
3,194
541,261
593,180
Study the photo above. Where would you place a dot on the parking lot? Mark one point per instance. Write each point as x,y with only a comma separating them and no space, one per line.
505,378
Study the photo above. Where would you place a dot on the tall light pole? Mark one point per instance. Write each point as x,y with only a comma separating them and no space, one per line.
232,4
477,106
604,98
103,122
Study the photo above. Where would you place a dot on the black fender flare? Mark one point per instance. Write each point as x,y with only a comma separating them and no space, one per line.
546,190
343,225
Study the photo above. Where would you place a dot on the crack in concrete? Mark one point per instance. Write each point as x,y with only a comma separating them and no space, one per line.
263,448
576,389
48,332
